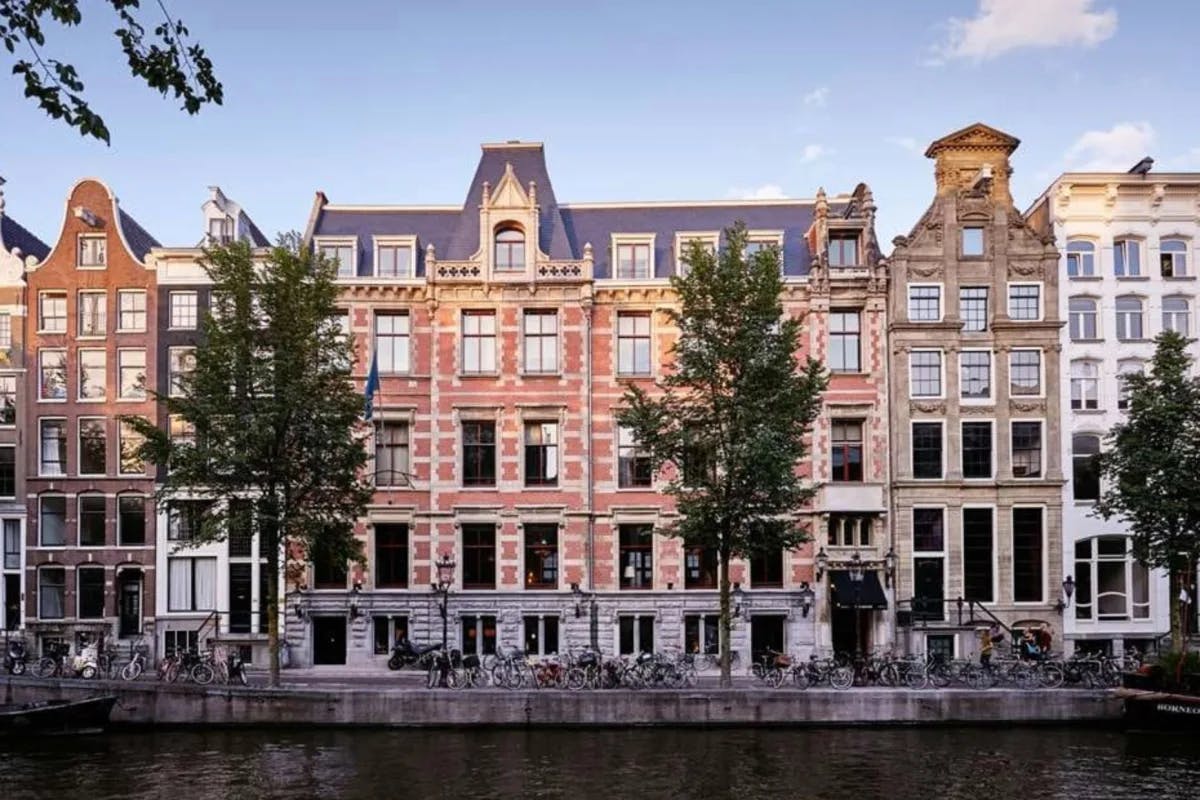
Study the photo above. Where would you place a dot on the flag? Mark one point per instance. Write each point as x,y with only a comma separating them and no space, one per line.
372,387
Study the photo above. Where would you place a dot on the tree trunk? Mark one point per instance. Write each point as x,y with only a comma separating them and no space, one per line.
1174,585
726,622
273,616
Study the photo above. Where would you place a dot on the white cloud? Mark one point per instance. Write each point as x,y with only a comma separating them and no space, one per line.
817,97
1004,25
768,191
812,152
1114,150
905,142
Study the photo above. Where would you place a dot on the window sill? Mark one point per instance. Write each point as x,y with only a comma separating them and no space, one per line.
130,400
1181,278
492,375
92,400
91,337
1087,341
52,399
90,475
1086,278
51,333
131,330
852,373
1134,278
524,374
541,588
470,488
649,488
174,328
1084,503
633,376
1134,341
1092,412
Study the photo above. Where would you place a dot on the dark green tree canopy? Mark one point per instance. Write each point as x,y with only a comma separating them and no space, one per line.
162,58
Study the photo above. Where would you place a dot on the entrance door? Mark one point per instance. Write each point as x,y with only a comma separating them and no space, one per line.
239,598
129,609
766,633
329,640
843,631
12,602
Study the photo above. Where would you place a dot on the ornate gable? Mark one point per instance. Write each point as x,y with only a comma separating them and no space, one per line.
974,137
508,193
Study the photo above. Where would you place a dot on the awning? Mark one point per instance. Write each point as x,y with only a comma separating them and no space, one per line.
870,591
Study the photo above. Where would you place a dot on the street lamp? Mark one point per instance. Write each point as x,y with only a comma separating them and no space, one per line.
445,573
856,578
807,596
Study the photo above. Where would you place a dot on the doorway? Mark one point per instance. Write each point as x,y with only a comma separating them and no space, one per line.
129,604
12,602
329,640
850,630
239,598
766,633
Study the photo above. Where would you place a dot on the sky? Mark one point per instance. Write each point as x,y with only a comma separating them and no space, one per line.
378,101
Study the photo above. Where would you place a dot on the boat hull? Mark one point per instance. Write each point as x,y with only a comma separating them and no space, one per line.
56,716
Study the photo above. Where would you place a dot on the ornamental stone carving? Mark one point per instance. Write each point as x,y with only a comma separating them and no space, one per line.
1027,407
930,408
934,271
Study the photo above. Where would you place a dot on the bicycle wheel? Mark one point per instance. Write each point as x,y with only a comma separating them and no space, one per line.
1025,677
203,674
841,678
576,678
18,668
131,671
773,677
801,679
46,667
978,678
916,678
939,676
452,680
1050,676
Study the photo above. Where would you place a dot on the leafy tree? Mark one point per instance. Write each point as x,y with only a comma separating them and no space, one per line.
732,412
276,419
1149,464
163,59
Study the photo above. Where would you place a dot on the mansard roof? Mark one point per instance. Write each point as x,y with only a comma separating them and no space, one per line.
564,228
14,236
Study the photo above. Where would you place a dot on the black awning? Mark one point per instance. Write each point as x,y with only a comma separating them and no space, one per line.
870,591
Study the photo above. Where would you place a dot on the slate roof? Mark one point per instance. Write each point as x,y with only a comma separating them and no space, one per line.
138,239
14,235
256,236
565,229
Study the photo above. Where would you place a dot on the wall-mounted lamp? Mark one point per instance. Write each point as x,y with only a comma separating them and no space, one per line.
822,563
580,596
889,567
1068,590
354,593
739,599
806,599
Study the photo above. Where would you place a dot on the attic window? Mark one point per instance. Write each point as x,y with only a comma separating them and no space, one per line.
92,251
843,249
972,240
510,250
220,230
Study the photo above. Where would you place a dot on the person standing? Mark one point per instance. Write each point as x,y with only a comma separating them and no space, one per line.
985,648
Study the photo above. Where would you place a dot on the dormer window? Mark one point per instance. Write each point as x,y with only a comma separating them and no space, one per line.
220,230
92,251
633,258
510,250
342,252
394,261
843,249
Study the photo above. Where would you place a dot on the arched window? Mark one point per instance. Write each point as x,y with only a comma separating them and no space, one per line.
1085,450
1176,314
510,250
1081,258
1085,385
1126,367
1130,322
1172,258
1127,259
1109,583
1083,316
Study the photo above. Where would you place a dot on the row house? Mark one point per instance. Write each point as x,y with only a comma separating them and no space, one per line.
504,331
18,250
974,335
1128,272
90,345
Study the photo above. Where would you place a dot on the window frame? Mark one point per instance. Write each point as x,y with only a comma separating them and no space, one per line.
845,337
9,461
385,445
80,250
847,446
1170,318
1121,247
478,342
41,445
941,369
963,241
844,235
399,551
638,455
45,296
1018,285
542,553
1125,317
1041,366
80,449
1083,382
941,308
101,317
1083,317
482,481
1084,259
547,454
994,566
1043,567
711,239
173,322
121,518
1076,438
42,585
321,244
399,342
635,338
510,247
124,432
1176,256
381,243
91,513
487,555
912,449
1042,452
91,352
41,519
962,306
539,338
643,565
632,240
121,310
991,425
122,367
986,399
175,359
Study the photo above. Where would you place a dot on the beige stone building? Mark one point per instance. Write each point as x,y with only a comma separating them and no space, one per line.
976,457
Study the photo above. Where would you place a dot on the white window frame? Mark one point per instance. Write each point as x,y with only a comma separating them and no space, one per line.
941,290
385,369
1041,392
121,426
526,313
79,422
480,313
41,500
103,295
962,539
121,398
710,238
41,450
43,296
79,375
912,465
1094,380
991,395
1097,318
91,237
648,314
1094,560
1122,321
991,421
1043,451
1170,319
171,321
145,311
391,241
172,353
1177,258
618,239
987,302
943,554
320,242
1041,300
1119,243
764,236
1068,254
941,374
66,373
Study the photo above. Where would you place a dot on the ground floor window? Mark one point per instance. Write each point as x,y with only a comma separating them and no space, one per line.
1109,583
702,634
1093,647
388,631
175,642
940,647
478,635
541,635
766,635
635,634
49,644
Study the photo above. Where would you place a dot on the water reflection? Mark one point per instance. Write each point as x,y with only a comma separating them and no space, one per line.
841,764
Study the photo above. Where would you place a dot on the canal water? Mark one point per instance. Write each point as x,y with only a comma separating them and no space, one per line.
846,764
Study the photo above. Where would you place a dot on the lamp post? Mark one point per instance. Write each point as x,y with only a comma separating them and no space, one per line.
856,578
445,579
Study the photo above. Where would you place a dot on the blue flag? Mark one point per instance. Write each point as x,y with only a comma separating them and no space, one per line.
372,387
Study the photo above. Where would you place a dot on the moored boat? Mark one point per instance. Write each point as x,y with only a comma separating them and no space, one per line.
56,716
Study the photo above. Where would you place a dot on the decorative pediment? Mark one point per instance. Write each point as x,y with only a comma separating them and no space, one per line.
974,137
509,193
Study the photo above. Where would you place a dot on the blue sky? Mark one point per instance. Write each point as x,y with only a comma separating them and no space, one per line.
387,102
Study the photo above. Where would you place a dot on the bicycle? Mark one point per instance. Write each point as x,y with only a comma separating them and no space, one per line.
138,653
53,663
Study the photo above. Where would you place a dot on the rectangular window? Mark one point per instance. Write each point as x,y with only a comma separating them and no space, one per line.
633,343
52,593
8,400
5,331
977,449
191,584
699,568
93,314
220,230
391,556
1027,555
846,456
12,544
132,307
973,308
132,366
843,249
52,374
924,303
52,312
972,241
975,375
131,520
849,530
541,635
636,556
929,534
53,451
387,631
540,330
1127,258
93,446
92,509
635,634
541,454
328,570
92,250
392,342
478,635
978,555
1083,318
184,518
340,254
541,555
93,374
394,261
766,570
52,520
479,454
241,529
479,556
181,363
478,342
1025,301
129,442
8,472
1025,372
633,261
925,373
183,310
1027,449
927,449
845,344
1172,258
392,454
633,463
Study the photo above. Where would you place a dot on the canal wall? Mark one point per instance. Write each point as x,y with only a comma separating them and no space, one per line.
149,703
